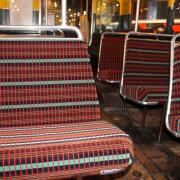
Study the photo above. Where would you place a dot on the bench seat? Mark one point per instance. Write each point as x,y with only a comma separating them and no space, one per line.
50,124
145,78
63,150
111,57
146,93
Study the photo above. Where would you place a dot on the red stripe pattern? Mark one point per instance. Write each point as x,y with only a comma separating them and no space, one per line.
174,115
49,72
146,72
111,57
49,117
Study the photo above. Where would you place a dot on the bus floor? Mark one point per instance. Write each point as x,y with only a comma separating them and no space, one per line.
152,160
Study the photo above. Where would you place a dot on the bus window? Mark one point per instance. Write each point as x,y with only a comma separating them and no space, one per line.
44,13
176,26
54,13
152,14
107,15
19,12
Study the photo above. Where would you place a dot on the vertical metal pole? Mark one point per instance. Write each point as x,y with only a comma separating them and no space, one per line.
46,12
100,15
64,9
87,27
40,13
137,15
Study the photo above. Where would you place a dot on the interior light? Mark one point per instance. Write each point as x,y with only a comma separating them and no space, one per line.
117,5
55,4
84,13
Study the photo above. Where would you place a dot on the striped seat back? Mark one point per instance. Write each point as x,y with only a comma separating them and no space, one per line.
147,62
111,57
45,81
173,116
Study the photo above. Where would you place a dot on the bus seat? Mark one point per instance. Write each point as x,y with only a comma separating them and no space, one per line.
111,57
146,68
173,107
50,123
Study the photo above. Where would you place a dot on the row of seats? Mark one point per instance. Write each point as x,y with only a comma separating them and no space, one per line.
142,64
50,124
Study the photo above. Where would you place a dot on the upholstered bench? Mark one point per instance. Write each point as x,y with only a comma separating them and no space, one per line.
146,67
111,57
50,123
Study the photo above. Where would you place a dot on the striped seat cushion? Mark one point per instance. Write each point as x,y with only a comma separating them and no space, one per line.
146,70
174,114
46,82
147,93
111,57
49,114
63,150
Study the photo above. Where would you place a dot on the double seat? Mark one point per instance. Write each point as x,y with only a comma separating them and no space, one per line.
111,57
50,124
146,70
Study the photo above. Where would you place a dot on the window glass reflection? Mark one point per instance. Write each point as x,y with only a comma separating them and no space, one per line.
107,14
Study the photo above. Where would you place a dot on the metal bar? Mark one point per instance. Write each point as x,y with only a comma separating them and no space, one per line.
162,122
40,13
137,15
149,34
40,28
92,23
87,28
100,15
46,12
64,9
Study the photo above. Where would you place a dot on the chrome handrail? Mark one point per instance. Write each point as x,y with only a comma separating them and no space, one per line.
43,28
